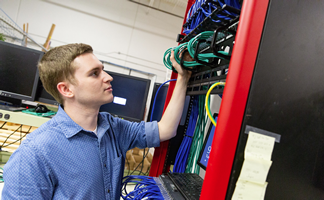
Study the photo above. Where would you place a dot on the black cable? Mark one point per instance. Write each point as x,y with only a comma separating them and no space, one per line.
19,138
3,125
11,135
140,163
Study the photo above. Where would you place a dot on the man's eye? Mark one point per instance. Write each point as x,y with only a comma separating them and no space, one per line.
95,74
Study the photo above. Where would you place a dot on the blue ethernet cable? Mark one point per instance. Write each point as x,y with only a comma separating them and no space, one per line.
157,95
183,152
146,188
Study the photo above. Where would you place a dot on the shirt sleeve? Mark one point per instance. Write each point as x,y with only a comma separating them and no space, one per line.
134,134
152,134
26,176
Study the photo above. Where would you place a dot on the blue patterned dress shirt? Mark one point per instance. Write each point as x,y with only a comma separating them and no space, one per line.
61,160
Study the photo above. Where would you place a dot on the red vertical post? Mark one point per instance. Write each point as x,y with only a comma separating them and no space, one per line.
234,99
160,152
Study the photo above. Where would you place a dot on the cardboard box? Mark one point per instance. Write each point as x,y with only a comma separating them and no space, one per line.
141,166
129,162
135,151
149,156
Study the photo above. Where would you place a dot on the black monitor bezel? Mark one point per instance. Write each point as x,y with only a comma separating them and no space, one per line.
34,89
205,143
41,99
144,102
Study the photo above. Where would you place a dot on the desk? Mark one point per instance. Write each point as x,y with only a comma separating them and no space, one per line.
13,128
23,118
29,122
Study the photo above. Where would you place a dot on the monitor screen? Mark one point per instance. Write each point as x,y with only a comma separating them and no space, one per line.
130,95
205,151
18,71
43,96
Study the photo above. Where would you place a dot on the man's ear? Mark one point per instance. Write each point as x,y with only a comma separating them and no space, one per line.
64,89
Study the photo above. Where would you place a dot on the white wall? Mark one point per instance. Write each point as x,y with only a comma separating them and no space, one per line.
120,31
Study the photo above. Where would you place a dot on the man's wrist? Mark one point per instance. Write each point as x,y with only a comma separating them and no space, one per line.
184,78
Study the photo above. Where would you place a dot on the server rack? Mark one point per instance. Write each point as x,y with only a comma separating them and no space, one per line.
274,84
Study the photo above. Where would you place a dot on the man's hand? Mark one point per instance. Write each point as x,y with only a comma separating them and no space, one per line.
184,73
170,120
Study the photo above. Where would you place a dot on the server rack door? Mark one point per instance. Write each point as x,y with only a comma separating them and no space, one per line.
287,98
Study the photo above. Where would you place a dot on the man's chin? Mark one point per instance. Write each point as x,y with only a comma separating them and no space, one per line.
109,101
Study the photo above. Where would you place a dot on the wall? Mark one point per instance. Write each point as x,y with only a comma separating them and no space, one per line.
120,31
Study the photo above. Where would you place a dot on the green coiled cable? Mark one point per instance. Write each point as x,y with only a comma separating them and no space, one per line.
191,46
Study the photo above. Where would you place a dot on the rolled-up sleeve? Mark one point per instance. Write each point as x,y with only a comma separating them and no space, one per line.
152,134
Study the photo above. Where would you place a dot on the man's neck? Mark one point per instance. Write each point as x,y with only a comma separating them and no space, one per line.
86,117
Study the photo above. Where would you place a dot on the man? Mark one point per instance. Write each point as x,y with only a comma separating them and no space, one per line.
80,153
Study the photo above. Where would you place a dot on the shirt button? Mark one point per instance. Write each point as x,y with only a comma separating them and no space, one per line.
108,190
105,165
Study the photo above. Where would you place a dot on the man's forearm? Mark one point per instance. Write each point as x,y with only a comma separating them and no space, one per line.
170,120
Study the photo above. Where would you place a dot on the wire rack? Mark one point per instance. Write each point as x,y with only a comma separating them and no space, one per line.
12,32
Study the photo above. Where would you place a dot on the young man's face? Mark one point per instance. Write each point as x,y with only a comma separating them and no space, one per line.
93,86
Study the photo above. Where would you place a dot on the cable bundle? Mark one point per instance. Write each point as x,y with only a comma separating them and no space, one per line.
146,188
198,138
203,8
191,47
183,152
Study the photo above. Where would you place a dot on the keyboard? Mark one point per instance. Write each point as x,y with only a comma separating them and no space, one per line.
11,108
188,184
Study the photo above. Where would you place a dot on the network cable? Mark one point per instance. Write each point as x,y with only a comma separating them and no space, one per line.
207,104
156,94
198,138
146,188
191,47
184,149
204,8
1,175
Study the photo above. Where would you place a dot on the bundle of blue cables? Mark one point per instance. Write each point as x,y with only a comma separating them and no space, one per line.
184,149
203,8
146,188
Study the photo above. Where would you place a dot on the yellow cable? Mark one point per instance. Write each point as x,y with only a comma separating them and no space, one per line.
207,100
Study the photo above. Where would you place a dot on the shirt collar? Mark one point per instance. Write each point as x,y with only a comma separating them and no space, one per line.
70,128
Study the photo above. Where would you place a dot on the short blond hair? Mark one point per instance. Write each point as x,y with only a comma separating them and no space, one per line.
57,65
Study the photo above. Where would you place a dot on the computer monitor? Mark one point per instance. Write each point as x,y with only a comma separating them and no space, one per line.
130,95
205,151
43,96
18,71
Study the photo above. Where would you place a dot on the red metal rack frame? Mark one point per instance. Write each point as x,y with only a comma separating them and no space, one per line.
234,99
159,156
